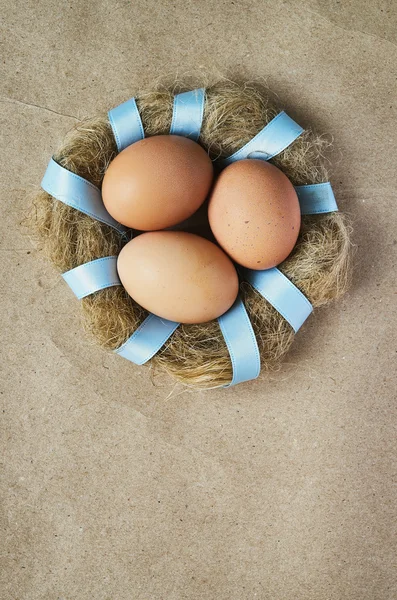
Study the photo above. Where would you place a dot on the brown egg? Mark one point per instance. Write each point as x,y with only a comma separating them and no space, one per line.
178,276
157,182
254,214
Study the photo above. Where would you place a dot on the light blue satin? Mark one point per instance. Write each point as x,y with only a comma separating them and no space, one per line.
73,190
147,340
279,133
241,343
93,276
316,198
126,123
188,113
282,294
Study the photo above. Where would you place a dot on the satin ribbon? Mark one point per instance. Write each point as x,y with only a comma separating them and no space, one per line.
150,336
235,325
126,124
187,116
282,294
316,198
73,190
279,133
147,340
93,276
241,343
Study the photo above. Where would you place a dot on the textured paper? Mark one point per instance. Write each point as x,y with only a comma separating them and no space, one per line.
280,489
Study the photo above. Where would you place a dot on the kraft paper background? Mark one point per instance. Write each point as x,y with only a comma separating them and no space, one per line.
280,489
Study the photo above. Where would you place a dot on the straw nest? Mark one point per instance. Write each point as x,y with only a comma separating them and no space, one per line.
196,355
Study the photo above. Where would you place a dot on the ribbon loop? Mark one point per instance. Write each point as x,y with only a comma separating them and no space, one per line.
73,190
279,133
286,298
147,340
93,276
188,113
316,198
241,343
150,336
126,124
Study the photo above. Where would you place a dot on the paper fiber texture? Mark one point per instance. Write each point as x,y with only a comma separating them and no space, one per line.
278,489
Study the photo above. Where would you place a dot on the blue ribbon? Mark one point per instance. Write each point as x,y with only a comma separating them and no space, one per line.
279,133
235,325
150,336
126,123
188,113
316,198
147,340
241,343
73,190
282,294
93,276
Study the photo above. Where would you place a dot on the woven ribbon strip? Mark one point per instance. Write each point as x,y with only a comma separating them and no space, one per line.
152,334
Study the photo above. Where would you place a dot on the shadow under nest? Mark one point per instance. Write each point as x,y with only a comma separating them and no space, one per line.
196,355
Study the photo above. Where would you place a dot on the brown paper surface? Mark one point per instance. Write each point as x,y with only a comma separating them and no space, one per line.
280,489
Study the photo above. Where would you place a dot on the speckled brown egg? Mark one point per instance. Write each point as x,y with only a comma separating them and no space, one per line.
178,276
157,182
254,213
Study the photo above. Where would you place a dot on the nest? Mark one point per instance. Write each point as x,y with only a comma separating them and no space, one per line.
196,355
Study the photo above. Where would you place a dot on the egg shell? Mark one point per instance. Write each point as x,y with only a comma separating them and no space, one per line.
157,182
178,276
254,213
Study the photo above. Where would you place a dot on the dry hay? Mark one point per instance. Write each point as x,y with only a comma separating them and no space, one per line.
196,355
